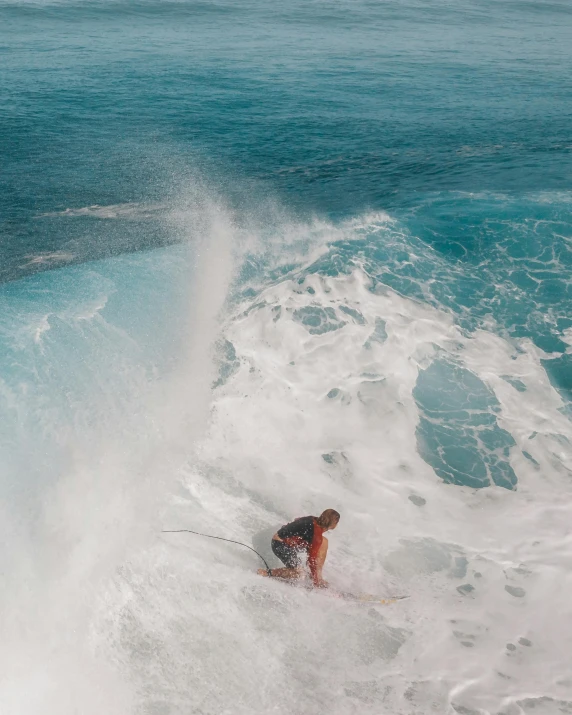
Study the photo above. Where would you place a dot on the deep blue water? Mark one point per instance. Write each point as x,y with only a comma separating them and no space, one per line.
328,107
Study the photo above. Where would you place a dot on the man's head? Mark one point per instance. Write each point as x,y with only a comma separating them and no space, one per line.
328,519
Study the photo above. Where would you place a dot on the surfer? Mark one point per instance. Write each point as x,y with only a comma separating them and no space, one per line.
299,537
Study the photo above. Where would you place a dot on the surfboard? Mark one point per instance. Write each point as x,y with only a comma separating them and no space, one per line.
368,598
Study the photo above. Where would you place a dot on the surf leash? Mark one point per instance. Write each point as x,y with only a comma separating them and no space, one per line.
219,538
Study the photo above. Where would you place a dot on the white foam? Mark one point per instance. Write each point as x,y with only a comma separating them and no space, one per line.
567,337
262,463
172,624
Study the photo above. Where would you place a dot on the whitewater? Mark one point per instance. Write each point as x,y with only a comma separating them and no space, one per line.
311,390
258,262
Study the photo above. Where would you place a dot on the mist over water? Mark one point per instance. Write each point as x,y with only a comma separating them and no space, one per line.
259,261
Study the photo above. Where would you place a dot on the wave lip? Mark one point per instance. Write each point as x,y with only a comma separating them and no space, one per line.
48,258
129,210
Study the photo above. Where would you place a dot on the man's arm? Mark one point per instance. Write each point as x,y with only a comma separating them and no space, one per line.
316,558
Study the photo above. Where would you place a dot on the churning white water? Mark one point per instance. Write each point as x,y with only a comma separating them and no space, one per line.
139,395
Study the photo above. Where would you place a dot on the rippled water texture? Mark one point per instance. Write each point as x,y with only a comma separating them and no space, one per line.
328,106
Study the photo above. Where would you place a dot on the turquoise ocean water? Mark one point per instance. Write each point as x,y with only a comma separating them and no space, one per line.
196,196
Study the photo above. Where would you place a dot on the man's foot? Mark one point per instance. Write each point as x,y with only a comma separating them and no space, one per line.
263,572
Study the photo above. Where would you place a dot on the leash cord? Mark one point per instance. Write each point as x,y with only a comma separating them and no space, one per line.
219,538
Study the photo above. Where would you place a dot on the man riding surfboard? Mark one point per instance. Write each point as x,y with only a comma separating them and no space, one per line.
301,537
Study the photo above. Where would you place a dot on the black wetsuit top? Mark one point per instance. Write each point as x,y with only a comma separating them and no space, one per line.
299,530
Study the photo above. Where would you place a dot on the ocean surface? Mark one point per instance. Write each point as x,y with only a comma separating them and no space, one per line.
258,259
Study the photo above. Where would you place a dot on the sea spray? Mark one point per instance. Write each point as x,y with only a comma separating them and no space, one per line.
114,412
